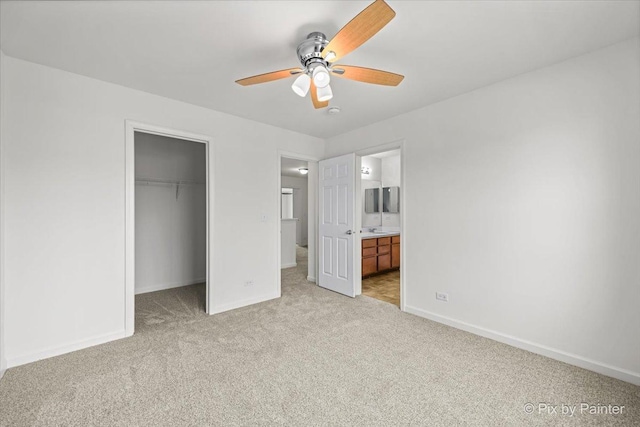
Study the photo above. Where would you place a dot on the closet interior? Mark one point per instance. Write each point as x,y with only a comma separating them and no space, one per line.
170,226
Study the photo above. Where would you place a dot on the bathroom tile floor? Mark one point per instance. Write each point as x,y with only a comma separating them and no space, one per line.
385,287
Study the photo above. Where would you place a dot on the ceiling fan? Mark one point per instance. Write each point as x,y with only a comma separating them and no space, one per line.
318,55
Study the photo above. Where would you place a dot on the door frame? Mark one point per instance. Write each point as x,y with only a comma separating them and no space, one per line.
394,145
312,226
130,128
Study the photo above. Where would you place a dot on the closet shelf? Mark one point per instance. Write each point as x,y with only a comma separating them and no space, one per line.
140,180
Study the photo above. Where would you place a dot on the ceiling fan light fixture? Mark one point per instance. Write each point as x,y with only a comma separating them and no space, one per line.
321,76
317,55
301,85
325,93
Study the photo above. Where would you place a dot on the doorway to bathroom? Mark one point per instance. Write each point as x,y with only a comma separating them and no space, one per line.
381,224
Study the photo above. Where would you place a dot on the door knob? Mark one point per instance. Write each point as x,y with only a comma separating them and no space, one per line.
349,232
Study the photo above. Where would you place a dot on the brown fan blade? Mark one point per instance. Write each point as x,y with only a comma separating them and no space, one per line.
314,97
360,29
368,75
269,77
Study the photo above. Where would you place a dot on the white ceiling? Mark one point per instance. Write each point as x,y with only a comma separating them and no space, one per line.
194,51
289,167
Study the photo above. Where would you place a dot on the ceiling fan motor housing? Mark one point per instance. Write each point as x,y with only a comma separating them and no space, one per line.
310,51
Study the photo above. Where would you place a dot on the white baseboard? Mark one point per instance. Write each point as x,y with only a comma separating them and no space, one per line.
239,304
288,265
165,286
311,279
2,373
67,348
571,359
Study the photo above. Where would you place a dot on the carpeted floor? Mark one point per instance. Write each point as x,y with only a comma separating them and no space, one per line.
312,357
155,309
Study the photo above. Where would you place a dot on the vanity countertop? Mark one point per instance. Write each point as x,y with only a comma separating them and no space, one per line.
371,235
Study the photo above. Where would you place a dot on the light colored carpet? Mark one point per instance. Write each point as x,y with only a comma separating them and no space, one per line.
312,357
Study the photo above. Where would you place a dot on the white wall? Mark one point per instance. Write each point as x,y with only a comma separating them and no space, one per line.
170,229
391,177
300,206
523,203
375,168
286,210
288,243
63,147
3,363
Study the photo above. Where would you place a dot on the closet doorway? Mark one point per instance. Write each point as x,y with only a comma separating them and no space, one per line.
167,226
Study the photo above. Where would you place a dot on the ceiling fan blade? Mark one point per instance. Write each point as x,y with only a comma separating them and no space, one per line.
314,97
360,29
367,75
269,77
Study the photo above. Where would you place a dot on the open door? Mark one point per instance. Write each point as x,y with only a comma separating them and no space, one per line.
337,220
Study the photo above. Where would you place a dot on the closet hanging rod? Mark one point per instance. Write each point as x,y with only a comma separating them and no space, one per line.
165,181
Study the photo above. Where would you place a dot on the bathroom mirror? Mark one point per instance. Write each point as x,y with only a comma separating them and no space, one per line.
372,200
391,199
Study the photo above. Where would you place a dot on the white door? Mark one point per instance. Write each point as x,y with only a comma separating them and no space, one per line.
337,220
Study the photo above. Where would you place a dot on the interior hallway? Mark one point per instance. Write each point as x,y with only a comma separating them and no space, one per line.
312,357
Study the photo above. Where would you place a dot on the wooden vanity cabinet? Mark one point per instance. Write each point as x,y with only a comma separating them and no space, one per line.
384,262
380,254
369,265
395,251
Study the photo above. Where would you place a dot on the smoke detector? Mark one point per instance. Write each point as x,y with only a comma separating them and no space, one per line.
334,110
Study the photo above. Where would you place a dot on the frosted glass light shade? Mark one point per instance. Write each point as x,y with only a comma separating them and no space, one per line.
325,93
321,76
301,85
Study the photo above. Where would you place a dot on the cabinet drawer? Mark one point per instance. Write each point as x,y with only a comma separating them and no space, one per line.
384,262
384,249
369,265
395,239
384,241
369,252
369,243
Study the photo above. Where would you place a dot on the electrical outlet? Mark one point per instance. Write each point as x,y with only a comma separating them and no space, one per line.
248,283
441,296
264,217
